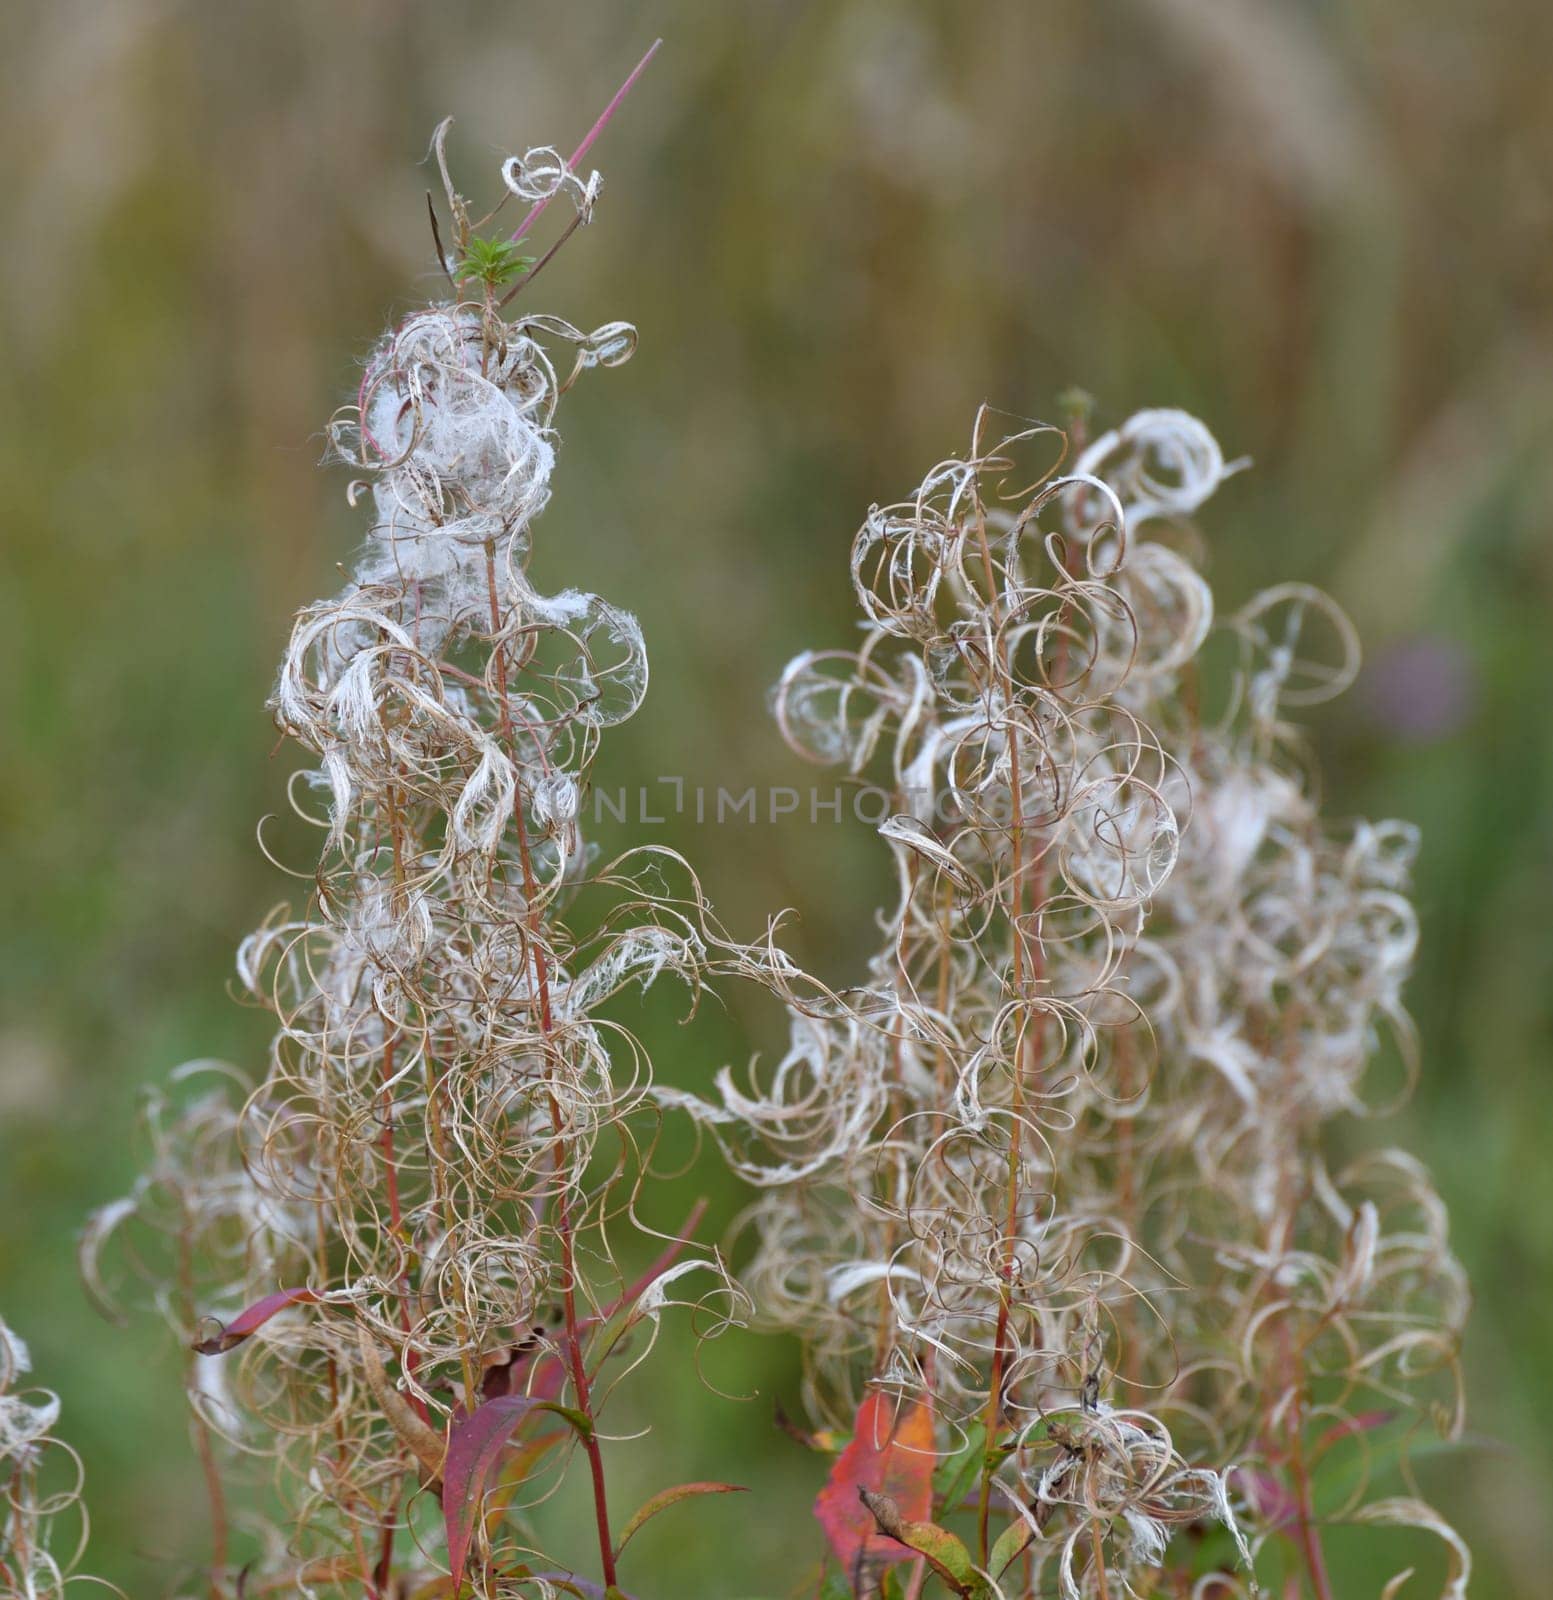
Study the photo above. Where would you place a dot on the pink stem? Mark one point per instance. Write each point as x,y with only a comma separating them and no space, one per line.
592,134
539,205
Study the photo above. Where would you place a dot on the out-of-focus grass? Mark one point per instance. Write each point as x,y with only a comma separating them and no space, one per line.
840,225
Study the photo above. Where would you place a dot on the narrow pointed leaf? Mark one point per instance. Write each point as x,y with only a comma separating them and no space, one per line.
944,1553
954,1474
668,1497
249,1321
1010,1545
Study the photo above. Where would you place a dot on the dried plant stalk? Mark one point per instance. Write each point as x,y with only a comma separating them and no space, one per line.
1051,1197
1059,1170
394,1257
43,1521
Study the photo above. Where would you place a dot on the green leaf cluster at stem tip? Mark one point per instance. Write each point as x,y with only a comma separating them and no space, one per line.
493,262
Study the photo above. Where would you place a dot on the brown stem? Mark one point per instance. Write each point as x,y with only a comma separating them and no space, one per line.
578,1370
1307,1537
382,1573
540,265
390,1157
1022,1052
342,1454
438,1162
418,1436
1099,1550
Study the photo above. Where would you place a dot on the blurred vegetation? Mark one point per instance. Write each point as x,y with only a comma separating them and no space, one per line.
1326,228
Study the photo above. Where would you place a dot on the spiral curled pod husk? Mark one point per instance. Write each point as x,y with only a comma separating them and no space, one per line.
43,1521
1065,1153
420,1201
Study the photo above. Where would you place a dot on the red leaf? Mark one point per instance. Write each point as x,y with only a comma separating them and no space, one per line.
891,1453
474,1444
250,1321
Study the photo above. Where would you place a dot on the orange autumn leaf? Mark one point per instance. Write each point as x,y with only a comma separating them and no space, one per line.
891,1453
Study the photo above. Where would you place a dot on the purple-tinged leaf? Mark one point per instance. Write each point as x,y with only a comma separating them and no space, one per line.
475,1442
253,1318
1360,1422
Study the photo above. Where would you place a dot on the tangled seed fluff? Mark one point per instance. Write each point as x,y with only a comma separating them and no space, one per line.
431,1175
1067,1153
43,1524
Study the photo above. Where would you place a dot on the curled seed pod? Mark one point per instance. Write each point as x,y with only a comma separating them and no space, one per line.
43,1521
1060,1167
415,1212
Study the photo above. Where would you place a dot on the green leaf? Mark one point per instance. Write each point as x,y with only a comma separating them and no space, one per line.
957,1474
954,1475
944,1553
1010,1545
668,1497
493,262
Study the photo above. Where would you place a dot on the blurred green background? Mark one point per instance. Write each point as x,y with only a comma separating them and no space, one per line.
1325,226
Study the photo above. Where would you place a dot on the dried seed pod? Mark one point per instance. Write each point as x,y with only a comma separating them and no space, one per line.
1063,1156
429,1181
43,1521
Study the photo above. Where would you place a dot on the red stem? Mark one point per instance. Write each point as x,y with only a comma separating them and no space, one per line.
1309,1537
579,1373
592,134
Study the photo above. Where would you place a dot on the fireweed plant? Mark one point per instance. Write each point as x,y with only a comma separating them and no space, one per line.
43,1523
1086,1305
394,1259
1048,1200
